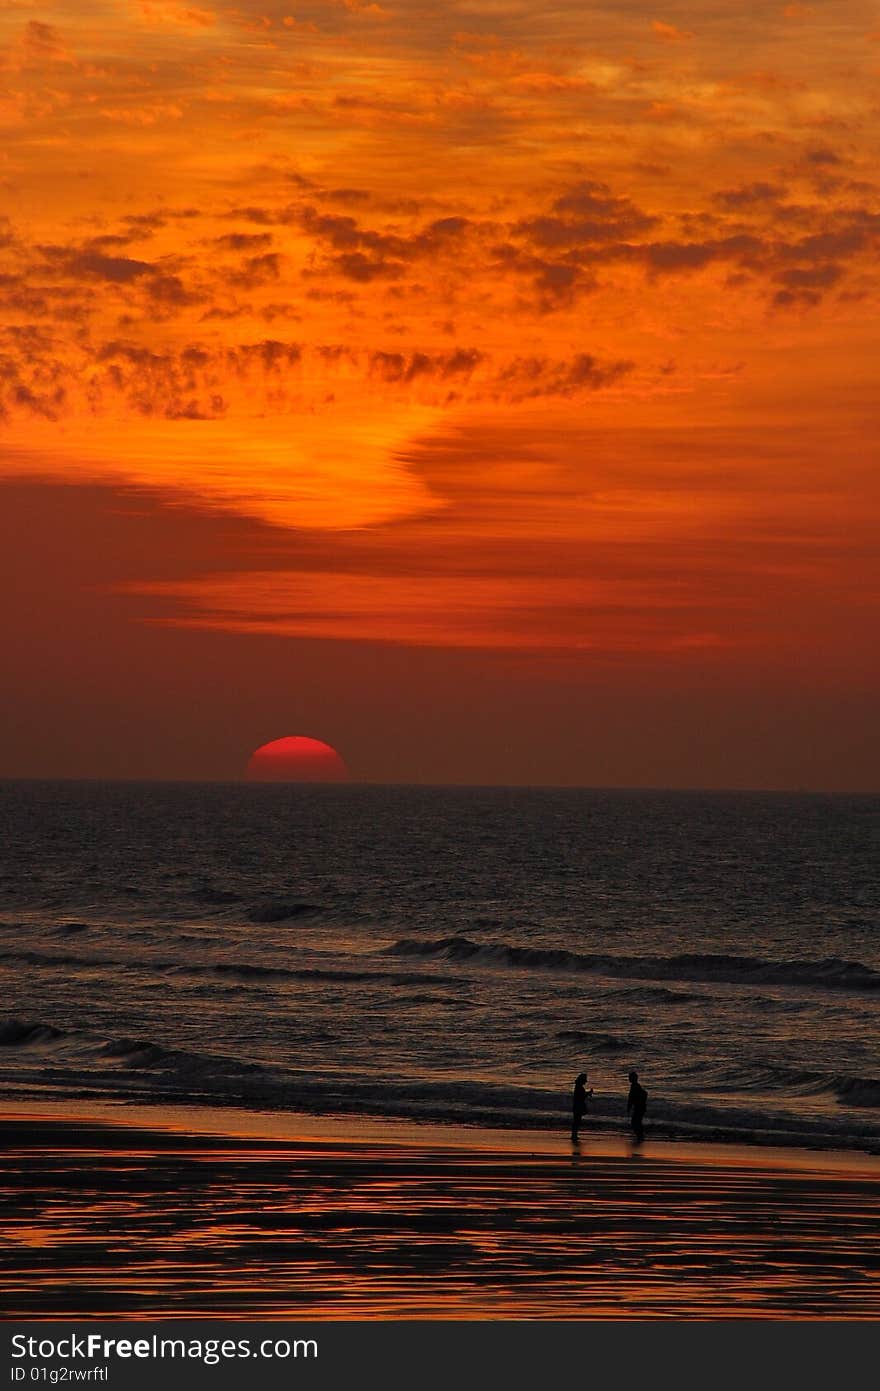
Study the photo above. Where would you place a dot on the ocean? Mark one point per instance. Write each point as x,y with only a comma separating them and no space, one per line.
447,954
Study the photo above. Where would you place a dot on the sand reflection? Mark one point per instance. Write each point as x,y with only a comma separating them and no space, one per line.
117,1221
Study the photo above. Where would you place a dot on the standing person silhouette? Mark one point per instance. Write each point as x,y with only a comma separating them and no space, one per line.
579,1104
636,1103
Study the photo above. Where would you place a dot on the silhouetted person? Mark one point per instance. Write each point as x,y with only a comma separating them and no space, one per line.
579,1103
635,1105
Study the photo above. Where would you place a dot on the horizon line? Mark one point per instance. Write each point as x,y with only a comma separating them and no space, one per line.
798,791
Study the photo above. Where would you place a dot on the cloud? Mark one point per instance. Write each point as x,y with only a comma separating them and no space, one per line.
749,195
243,241
169,291
527,378
407,368
668,33
587,214
583,247
555,284
254,271
251,213
177,15
355,265
205,381
368,247
39,48
344,233
700,541
814,277
345,195
669,257
823,156
271,356
803,286
86,261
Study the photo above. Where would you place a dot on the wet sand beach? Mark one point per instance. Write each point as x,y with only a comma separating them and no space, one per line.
180,1214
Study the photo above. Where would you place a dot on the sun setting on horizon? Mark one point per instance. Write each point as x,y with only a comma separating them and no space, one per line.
296,758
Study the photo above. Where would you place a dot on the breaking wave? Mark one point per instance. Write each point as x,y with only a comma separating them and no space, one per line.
832,973
15,1033
276,910
239,970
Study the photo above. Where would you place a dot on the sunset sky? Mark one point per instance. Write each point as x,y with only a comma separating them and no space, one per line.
488,389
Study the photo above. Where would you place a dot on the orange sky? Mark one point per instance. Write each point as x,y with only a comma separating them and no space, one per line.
527,347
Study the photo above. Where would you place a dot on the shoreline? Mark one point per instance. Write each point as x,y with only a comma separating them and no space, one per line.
599,1130
252,1124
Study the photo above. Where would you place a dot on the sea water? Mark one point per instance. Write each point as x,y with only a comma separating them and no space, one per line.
454,954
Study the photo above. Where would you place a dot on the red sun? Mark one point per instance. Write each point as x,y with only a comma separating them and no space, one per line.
296,759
